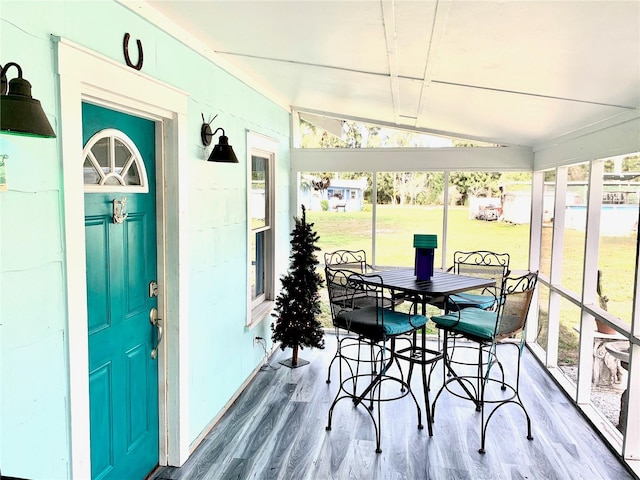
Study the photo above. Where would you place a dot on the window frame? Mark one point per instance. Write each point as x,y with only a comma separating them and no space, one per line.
260,306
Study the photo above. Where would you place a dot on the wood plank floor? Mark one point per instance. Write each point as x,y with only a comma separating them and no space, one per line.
276,430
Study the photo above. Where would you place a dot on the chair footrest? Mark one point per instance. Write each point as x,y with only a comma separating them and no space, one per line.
419,355
354,350
509,391
354,386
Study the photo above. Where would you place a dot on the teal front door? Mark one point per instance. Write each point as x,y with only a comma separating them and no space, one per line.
121,263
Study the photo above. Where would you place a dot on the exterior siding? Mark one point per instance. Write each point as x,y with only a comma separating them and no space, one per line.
34,369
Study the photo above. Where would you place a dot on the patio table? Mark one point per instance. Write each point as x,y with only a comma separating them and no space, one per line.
402,283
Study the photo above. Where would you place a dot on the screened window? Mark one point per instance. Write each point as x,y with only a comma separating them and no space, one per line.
618,239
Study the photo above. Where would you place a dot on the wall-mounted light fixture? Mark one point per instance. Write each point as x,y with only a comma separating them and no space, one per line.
222,152
21,113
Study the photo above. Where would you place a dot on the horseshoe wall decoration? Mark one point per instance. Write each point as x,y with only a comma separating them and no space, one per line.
125,46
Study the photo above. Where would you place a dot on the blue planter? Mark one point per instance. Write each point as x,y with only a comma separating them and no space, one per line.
424,263
425,247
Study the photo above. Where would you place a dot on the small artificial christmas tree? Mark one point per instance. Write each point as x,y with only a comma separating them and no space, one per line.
298,303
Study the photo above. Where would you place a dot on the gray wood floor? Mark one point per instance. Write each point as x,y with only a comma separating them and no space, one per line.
276,430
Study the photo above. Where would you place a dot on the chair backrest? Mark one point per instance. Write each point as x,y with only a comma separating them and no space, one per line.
336,280
481,263
484,264
347,291
517,293
354,260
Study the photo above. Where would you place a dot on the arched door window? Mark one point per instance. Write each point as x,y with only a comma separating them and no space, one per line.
112,163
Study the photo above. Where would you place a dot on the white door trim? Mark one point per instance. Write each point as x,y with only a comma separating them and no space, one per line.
85,75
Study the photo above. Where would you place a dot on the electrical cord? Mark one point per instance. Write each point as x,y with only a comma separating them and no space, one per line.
266,366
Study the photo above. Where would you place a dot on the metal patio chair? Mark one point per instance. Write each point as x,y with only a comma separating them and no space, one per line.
355,261
365,364
479,263
485,330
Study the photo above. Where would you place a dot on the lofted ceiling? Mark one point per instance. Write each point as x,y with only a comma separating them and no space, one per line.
506,72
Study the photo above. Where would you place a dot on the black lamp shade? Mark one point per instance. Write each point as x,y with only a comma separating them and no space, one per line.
223,152
21,114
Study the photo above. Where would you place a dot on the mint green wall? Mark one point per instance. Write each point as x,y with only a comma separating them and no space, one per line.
34,385
34,412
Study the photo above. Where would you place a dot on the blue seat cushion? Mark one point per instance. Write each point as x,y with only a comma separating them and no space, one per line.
368,322
466,300
474,322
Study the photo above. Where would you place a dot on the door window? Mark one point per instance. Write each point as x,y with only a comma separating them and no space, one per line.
112,163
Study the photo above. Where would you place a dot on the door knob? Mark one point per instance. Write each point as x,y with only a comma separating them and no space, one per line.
156,322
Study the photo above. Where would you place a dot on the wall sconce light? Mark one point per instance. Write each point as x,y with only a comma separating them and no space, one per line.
21,113
222,152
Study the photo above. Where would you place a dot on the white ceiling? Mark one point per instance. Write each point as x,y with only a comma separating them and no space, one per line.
508,72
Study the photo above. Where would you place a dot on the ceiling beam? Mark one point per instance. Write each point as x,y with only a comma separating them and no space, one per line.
462,159
532,94
390,35
618,136
438,27
404,126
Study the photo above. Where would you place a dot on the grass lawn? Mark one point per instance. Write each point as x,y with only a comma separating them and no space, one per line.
396,226
394,247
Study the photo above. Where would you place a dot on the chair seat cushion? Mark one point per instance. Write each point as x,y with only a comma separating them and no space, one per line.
368,322
467,300
474,322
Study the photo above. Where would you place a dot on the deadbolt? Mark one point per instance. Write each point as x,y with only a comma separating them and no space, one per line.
153,289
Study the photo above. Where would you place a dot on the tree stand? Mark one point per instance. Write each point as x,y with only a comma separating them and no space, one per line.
294,361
